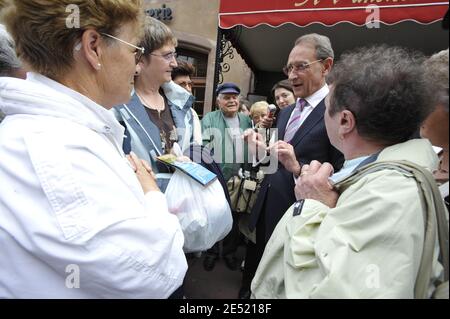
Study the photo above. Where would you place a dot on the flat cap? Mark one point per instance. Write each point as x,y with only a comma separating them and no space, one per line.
229,88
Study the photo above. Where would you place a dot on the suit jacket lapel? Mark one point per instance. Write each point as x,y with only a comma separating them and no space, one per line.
315,117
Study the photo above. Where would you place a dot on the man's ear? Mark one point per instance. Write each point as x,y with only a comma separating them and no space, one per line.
347,122
327,65
90,44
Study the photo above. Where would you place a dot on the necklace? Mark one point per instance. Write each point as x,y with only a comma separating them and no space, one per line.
145,102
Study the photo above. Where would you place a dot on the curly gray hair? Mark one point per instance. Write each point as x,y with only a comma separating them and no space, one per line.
385,89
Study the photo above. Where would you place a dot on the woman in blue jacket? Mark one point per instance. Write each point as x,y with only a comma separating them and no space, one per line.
160,112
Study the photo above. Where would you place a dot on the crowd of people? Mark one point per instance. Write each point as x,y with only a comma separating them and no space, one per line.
345,211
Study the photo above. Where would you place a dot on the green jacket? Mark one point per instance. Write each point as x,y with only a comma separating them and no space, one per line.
216,136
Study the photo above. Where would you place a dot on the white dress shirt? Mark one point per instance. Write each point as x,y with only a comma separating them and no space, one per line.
313,100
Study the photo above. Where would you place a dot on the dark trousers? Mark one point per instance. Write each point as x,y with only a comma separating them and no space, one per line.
254,253
229,244
178,294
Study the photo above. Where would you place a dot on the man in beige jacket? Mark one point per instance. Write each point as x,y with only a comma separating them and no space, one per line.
361,237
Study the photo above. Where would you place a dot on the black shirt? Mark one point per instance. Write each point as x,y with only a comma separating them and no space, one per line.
167,130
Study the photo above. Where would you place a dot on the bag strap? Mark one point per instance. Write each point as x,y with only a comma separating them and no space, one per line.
432,202
424,274
440,214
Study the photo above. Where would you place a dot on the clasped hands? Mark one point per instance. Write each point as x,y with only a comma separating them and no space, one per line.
144,172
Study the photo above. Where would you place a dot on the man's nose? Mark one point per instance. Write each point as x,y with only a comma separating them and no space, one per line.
292,76
173,62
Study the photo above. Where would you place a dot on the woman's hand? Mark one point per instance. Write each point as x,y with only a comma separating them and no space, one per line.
267,121
144,173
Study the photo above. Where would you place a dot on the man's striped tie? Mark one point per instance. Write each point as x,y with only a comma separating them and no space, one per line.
294,123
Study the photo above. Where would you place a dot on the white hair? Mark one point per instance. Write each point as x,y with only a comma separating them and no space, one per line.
436,71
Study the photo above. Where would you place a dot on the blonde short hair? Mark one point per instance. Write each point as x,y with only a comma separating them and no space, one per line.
45,40
258,108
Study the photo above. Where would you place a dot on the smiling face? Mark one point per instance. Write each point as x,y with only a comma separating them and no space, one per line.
306,82
159,64
228,104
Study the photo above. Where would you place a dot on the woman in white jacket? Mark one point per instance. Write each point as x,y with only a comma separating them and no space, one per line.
75,222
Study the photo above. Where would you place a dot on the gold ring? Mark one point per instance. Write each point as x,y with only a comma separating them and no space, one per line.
303,174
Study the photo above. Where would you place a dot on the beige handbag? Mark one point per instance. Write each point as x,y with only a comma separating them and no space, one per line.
243,194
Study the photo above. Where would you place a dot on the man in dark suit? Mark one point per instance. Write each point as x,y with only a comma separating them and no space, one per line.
302,138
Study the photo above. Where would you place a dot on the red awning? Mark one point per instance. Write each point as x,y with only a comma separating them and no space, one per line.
250,13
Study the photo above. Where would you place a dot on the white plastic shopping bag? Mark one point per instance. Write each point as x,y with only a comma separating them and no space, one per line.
203,212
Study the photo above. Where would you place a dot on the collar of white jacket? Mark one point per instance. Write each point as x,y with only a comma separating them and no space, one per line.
40,95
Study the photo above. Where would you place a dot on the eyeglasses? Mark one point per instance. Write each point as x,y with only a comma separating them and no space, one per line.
138,53
168,56
298,67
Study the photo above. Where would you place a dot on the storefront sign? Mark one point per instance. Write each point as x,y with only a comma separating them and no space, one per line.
162,14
